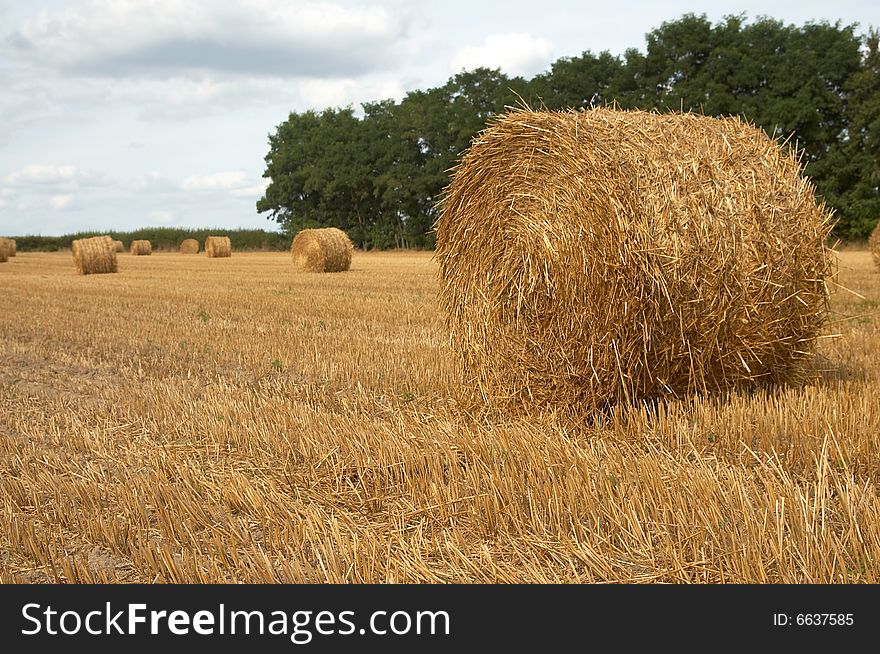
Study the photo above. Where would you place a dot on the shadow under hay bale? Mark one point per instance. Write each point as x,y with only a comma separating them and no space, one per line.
141,248
874,245
597,257
218,246
189,246
94,255
321,250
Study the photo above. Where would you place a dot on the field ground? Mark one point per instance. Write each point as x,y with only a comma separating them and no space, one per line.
229,420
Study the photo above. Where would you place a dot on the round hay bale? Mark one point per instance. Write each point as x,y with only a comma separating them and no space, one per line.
94,255
9,245
140,248
118,246
321,250
588,258
218,246
189,246
874,245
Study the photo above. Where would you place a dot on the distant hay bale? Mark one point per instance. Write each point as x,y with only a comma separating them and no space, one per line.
140,248
94,255
321,250
8,244
189,246
588,258
218,246
874,245
118,246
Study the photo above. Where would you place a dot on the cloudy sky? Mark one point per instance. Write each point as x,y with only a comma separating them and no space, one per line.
119,114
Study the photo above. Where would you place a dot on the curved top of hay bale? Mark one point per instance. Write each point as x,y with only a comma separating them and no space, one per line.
326,249
189,246
218,246
141,247
598,256
874,245
94,255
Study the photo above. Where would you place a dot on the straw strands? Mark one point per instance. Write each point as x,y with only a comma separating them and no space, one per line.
218,246
588,258
874,245
321,250
94,255
189,246
141,248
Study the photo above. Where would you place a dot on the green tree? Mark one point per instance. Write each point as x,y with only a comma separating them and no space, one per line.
578,82
850,171
321,174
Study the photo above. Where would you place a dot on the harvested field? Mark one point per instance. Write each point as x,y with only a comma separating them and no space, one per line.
239,423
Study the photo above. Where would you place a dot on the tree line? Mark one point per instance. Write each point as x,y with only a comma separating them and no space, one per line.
378,173
163,238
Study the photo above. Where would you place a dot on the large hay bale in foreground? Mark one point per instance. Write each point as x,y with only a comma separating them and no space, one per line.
874,245
94,255
189,246
593,257
118,246
140,248
218,246
321,250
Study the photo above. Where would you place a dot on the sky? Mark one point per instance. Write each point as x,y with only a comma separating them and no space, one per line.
121,114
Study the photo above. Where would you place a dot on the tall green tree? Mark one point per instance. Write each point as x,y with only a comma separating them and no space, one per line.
850,170
380,176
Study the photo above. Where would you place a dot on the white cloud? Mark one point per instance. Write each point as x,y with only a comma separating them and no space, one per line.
514,54
153,182
162,217
343,92
254,191
62,201
225,181
256,36
42,174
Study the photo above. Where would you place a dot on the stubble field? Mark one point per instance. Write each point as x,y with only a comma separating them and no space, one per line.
229,420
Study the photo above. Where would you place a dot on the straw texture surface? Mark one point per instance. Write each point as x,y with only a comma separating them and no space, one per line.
321,250
94,255
588,258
